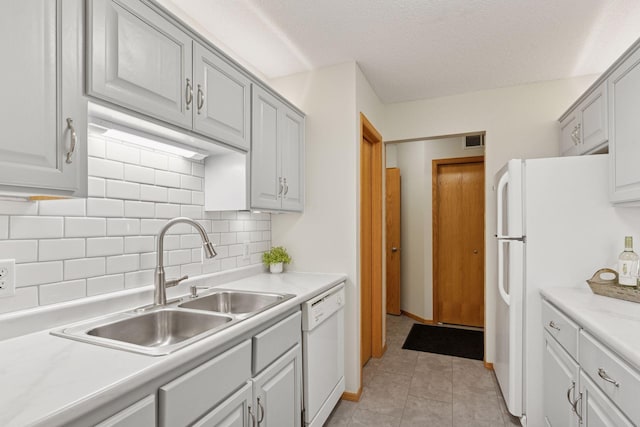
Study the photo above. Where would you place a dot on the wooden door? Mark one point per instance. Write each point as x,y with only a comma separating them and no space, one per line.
365,254
458,252
139,60
393,240
222,99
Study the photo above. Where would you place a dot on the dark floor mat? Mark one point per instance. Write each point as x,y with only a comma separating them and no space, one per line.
443,340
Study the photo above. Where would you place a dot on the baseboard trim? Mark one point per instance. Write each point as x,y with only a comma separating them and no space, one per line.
488,365
352,397
417,318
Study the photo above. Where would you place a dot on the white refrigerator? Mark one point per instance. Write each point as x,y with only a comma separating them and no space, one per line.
555,227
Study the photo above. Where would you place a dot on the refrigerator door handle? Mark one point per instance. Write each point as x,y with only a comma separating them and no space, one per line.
502,183
503,293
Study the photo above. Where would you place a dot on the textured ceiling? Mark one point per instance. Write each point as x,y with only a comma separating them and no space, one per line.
415,49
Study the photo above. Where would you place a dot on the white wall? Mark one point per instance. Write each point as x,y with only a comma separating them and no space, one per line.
414,160
520,121
324,237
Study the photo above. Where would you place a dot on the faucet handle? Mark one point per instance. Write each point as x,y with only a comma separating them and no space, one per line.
174,282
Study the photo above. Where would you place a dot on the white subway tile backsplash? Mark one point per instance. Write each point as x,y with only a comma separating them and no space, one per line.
167,179
167,211
105,284
102,168
66,207
20,250
180,164
122,152
104,246
63,291
54,249
179,196
38,273
23,299
133,173
123,227
123,263
153,194
154,160
96,187
123,190
83,268
139,209
139,244
35,227
191,182
138,278
105,207
85,227
68,249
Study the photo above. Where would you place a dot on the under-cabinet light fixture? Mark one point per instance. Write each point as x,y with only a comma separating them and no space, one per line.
141,139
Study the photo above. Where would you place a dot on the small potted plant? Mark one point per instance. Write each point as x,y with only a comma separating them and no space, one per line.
275,258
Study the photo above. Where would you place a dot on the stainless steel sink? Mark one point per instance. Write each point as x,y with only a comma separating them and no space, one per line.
155,333
239,303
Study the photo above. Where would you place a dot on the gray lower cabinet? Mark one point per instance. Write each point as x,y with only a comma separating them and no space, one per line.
139,60
140,414
560,385
233,412
597,410
277,154
44,113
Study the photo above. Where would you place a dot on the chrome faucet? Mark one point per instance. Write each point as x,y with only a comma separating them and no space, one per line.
161,285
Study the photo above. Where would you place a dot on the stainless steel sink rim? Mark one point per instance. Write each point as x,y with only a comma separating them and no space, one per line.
225,303
80,331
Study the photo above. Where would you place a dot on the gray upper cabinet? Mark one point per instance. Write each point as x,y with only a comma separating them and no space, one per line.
277,154
584,128
222,97
139,60
43,113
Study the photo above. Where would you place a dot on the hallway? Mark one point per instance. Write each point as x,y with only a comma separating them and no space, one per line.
408,388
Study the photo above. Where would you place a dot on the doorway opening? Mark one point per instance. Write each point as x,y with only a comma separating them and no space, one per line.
371,175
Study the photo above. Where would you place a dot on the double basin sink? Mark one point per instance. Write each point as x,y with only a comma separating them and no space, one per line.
163,330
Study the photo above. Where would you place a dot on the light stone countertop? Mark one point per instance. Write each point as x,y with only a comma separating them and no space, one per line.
613,322
48,380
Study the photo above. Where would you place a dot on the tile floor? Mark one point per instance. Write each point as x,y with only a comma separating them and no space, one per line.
411,388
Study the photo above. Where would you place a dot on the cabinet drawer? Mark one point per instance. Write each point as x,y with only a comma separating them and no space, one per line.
188,397
142,413
599,363
269,344
563,329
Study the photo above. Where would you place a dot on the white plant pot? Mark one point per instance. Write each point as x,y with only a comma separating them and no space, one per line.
275,268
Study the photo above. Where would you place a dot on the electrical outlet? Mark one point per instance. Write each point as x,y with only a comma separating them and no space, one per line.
245,250
7,277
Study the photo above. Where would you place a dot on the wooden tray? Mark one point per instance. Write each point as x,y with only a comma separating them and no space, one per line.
610,287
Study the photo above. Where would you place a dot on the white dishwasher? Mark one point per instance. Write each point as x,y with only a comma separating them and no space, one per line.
323,354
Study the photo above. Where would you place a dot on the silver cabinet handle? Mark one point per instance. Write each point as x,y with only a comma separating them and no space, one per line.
200,99
575,408
253,417
569,392
74,139
603,374
553,325
281,186
286,186
188,94
260,412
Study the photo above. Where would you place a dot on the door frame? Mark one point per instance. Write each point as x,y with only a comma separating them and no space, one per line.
369,135
435,163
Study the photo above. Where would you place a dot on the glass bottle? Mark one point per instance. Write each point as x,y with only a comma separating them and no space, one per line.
628,264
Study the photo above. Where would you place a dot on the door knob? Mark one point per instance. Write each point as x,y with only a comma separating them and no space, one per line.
394,249
475,251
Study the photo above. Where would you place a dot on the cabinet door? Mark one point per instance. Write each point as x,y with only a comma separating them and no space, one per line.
277,392
596,409
569,135
233,412
140,414
594,129
266,183
222,97
292,158
139,60
560,384
41,86
624,149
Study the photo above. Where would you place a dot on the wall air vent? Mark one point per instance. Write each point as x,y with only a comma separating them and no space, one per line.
474,141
